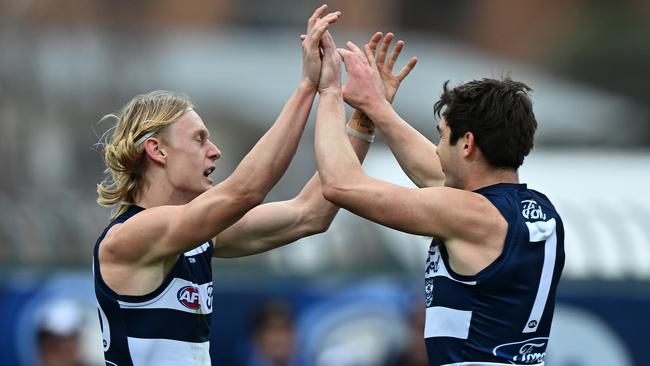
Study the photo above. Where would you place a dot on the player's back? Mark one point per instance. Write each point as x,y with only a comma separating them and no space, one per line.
502,314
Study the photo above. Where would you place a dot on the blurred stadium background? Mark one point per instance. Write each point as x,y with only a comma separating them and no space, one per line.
351,292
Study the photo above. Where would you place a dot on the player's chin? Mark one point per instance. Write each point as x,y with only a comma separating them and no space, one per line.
208,182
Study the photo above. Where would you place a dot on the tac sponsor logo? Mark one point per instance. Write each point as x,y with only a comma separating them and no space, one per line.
189,297
433,261
530,351
531,210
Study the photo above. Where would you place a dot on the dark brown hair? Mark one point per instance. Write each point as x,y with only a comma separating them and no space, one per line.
499,113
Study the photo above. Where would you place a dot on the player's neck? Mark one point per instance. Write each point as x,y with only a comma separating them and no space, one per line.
151,199
159,194
490,177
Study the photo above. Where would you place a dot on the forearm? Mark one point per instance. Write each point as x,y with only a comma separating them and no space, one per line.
314,213
335,157
276,224
263,166
323,211
415,153
360,123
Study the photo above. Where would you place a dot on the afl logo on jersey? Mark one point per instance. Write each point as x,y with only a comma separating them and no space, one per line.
189,297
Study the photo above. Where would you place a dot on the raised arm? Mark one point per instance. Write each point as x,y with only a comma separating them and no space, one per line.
463,218
275,224
168,230
414,152
270,157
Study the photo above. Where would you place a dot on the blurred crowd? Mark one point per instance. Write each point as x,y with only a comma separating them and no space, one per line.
66,63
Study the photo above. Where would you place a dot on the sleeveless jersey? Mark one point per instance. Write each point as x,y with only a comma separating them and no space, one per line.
169,326
502,315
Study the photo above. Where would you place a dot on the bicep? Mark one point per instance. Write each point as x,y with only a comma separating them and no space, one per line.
162,231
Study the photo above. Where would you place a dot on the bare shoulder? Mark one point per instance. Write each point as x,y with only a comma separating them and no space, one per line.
109,246
478,233
462,214
133,240
125,264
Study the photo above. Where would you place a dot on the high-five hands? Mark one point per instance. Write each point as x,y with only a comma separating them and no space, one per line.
385,67
371,79
364,86
330,76
317,25
370,71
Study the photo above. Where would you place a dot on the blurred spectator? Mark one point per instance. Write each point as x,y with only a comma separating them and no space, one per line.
414,353
273,336
58,334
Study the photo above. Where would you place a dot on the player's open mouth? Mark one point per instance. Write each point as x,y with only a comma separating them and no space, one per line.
208,171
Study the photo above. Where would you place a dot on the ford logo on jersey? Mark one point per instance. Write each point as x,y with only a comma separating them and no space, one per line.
189,297
525,352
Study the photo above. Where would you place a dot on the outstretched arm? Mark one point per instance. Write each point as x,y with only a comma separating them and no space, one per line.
279,223
163,231
462,217
344,182
414,152
334,155
270,157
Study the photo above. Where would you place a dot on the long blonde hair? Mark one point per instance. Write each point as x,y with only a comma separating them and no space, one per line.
142,117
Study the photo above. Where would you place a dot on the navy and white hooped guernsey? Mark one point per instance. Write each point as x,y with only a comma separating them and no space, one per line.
169,326
502,315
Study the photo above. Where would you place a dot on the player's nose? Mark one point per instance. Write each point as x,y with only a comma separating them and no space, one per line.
213,152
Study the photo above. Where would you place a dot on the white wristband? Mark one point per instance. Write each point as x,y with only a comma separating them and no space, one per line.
359,135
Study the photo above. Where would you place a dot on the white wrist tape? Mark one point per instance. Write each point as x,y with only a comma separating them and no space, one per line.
359,135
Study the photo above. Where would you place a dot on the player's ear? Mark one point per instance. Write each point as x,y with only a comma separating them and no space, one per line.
155,151
469,144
